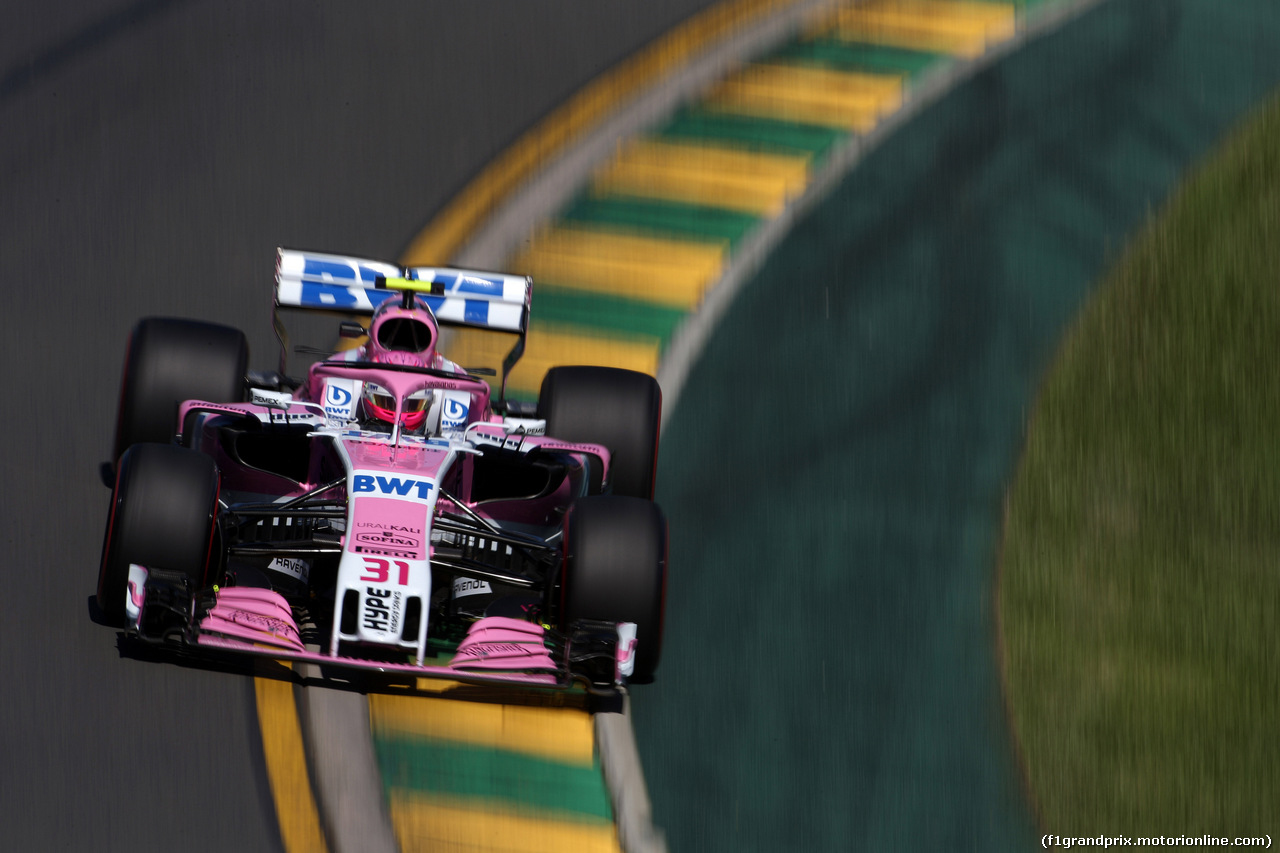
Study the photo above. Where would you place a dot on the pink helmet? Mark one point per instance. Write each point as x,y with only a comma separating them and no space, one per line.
403,333
380,403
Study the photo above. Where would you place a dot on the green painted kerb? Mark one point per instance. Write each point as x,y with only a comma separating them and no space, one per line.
516,782
855,56
616,316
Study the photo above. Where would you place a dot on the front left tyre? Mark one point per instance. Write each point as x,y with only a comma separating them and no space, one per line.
163,512
621,409
615,570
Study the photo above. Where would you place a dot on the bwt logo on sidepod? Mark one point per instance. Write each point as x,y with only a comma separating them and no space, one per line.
337,401
402,486
455,410
454,415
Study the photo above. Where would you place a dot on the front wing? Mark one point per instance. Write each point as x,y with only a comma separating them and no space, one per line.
259,622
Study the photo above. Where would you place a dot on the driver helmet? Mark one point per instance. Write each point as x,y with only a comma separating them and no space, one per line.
380,405
403,332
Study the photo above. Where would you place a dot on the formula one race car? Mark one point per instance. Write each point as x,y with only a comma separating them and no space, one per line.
388,512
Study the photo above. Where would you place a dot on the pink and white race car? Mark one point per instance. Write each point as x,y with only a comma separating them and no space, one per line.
386,512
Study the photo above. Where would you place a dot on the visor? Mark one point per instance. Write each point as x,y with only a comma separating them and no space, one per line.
381,404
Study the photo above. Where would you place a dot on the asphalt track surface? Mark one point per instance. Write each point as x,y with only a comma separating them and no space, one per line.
153,156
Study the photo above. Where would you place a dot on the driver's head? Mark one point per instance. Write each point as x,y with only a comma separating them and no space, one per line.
403,331
379,405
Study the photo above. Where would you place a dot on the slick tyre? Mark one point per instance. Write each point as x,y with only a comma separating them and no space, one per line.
162,515
615,570
168,361
621,409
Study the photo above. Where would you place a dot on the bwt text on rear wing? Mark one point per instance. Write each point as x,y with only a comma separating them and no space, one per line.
347,285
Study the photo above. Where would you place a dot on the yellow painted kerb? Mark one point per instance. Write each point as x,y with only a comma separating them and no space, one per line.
442,824
444,235
285,755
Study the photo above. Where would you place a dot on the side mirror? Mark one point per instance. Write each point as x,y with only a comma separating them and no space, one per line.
350,329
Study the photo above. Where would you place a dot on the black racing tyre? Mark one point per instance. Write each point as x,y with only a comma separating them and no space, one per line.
615,570
162,515
621,409
168,361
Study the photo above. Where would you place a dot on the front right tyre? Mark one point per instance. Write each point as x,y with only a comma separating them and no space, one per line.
169,361
163,511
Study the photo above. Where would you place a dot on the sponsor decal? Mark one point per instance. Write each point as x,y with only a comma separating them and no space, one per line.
136,594
398,528
453,413
626,652
258,622
386,552
528,426
377,609
338,401
462,587
291,566
270,399
455,410
387,538
402,486
485,650
483,285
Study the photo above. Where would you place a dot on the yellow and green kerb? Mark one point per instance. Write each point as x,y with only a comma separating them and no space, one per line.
656,225
467,776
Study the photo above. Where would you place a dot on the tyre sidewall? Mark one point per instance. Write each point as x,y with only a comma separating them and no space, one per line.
615,570
168,361
163,511
620,409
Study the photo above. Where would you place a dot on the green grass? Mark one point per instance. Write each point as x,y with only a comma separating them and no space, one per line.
1140,589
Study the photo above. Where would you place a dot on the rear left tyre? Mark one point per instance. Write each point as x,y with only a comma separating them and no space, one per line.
621,409
615,570
163,512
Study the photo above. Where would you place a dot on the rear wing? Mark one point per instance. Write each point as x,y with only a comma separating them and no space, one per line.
346,285
482,300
